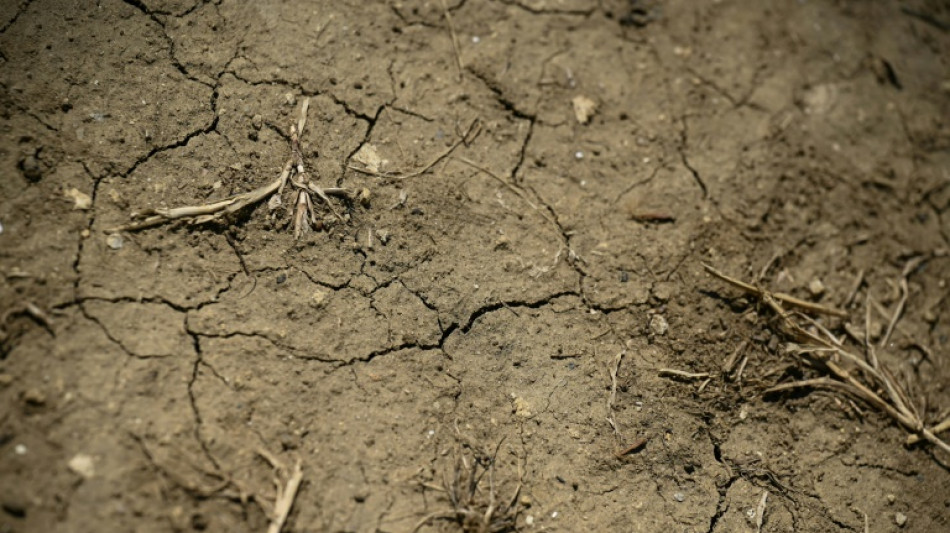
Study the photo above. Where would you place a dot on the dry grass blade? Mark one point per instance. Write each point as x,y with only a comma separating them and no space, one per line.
472,509
867,377
784,298
474,128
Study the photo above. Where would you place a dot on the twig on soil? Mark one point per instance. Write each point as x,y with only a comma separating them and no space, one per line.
855,287
286,492
293,172
455,39
636,445
785,298
760,512
613,391
474,128
680,374
30,309
908,268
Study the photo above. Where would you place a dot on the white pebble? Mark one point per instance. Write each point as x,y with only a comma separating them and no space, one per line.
115,241
476,39
528,520
900,519
19,449
578,155
679,496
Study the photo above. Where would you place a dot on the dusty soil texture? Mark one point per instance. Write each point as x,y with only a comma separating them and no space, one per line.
804,144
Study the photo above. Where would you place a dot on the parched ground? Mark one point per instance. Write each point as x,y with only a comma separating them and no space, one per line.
802,144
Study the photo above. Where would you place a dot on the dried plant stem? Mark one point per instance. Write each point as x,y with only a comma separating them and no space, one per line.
827,351
293,172
455,39
785,298
467,137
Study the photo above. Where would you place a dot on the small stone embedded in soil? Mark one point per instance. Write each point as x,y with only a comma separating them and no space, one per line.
900,519
679,496
659,325
35,397
115,241
19,449
816,287
83,464
891,499
30,166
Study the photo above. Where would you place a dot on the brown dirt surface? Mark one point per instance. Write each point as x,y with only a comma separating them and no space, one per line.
465,320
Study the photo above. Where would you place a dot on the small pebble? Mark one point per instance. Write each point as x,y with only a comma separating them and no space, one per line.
679,496
816,287
891,499
35,397
900,519
115,241
83,464
528,520
19,449
578,155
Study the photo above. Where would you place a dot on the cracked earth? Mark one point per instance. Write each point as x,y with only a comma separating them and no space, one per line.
801,140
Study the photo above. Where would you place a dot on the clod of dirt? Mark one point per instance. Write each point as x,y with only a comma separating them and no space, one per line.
31,168
816,287
369,158
34,397
658,325
584,108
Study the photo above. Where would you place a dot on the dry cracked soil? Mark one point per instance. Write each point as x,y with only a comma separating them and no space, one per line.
509,309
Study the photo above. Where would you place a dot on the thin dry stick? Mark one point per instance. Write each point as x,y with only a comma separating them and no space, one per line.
285,499
680,374
858,281
908,268
455,39
939,428
473,130
785,298
613,391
